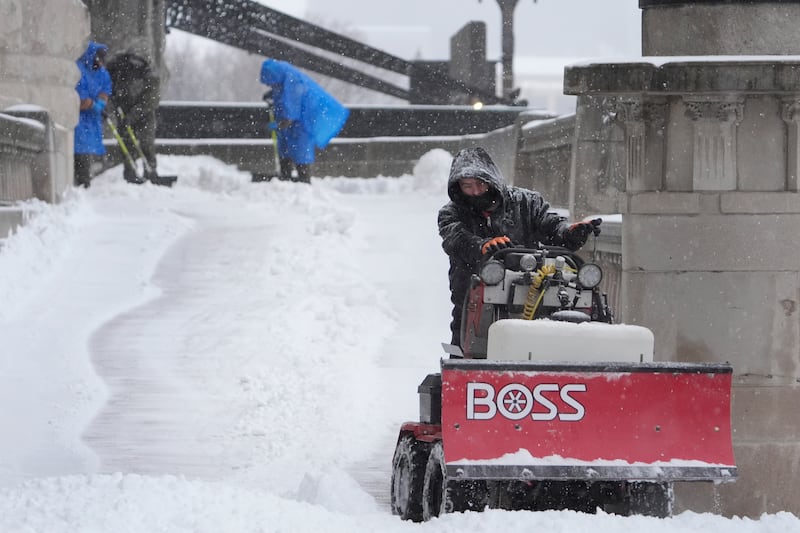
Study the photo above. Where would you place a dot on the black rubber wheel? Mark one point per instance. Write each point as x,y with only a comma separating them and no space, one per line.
408,474
441,495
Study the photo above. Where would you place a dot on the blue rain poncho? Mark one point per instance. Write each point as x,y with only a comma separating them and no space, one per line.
316,117
93,82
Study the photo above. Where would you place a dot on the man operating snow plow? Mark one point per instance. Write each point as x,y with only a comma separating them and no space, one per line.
551,406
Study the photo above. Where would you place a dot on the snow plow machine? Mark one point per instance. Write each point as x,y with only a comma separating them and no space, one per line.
550,405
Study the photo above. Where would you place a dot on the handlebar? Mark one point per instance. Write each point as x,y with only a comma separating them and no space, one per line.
542,251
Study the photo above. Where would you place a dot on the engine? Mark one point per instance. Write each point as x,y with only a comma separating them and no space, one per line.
530,284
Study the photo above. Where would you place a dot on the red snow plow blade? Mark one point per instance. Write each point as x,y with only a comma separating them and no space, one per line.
595,421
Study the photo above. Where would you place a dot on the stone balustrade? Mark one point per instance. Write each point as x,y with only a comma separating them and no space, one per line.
21,141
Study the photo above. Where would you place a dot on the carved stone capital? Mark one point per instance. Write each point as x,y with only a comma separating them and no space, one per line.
721,109
627,110
789,109
655,111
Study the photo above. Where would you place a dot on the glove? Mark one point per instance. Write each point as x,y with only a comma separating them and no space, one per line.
496,244
98,106
282,125
577,233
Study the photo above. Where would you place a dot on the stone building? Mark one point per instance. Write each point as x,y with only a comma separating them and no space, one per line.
710,247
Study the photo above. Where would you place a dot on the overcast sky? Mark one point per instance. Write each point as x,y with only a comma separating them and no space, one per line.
422,28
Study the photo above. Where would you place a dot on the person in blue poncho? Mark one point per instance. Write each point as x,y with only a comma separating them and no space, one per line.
94,88
306,117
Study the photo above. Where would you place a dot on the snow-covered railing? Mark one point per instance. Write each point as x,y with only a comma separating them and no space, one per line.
376,141
578,169
21,140
544,158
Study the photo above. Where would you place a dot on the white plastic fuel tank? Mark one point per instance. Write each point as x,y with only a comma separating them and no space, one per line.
550,340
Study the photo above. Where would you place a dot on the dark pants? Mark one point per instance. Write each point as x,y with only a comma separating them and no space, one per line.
459,287
83,168
303,171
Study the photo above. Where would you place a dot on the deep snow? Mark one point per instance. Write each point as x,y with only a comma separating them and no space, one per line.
230,356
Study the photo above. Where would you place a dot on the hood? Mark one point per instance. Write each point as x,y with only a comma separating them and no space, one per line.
273,72
129,65
137,47
474,163
86,60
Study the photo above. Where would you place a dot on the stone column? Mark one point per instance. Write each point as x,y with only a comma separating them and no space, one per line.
39,43
714,141
643,121
710,246
131,25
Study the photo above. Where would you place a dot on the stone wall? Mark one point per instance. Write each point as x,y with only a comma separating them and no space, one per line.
544,159
710,259
577,161
39,43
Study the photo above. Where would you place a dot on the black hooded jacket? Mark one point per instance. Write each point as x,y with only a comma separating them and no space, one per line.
136,87
521,214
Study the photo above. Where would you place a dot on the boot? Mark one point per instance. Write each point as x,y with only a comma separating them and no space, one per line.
304,173
130,176
286,168
83,163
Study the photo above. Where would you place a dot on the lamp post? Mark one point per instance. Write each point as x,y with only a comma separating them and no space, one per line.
507,8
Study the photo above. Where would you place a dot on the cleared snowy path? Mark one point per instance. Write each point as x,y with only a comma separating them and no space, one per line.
162,415
242,301
51,313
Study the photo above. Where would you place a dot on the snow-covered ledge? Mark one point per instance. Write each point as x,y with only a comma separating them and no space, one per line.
21,140
710,257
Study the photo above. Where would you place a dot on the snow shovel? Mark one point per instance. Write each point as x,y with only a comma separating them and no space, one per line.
149,173
276,157
124,149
